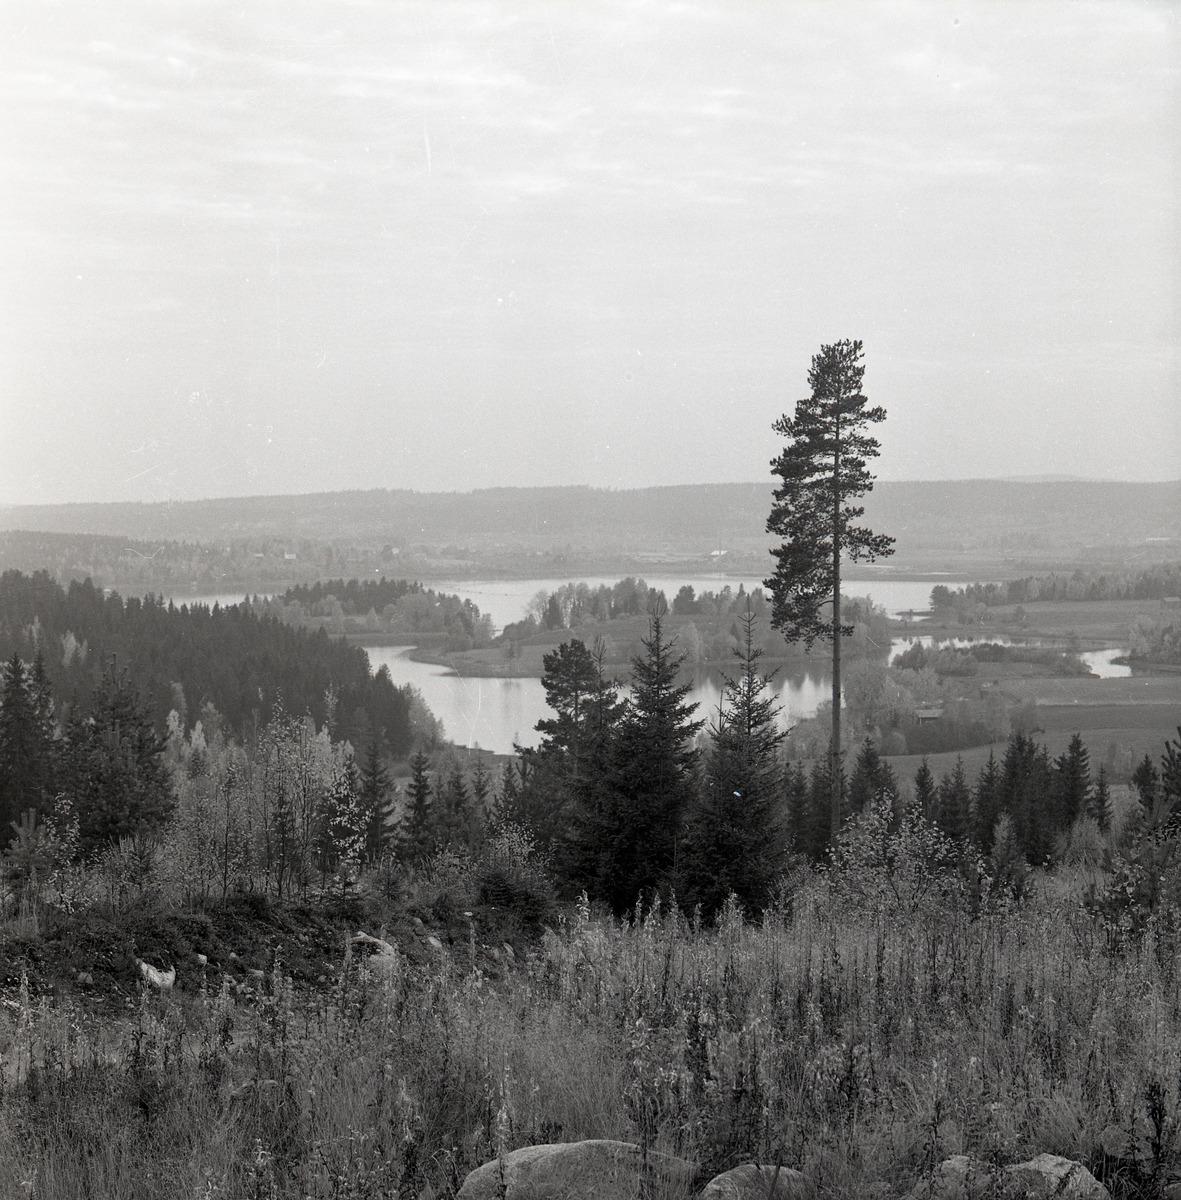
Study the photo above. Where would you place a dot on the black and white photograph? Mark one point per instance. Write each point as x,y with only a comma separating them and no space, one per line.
590,600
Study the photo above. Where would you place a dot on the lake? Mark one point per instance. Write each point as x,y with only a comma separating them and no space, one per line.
495,713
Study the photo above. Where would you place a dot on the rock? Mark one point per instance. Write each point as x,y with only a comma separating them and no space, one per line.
591,1170
379,947
434,941
85,978
384,960
202,960
752,1182
1047,1175
1051,1175
161,980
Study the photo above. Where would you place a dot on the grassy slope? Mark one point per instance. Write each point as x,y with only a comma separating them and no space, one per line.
862,1042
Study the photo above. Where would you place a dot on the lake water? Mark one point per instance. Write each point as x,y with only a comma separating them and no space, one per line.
495,713
1099,662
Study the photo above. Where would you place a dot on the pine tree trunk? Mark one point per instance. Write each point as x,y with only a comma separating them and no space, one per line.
835,749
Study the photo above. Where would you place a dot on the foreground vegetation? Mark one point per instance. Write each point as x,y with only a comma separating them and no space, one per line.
868,1027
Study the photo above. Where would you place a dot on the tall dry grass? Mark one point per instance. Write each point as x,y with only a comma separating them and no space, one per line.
860,1043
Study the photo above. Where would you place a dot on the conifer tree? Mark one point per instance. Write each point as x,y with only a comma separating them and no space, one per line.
375,803
1101,801
627,835
989,802
822,469
19,785
1146,780
456,807
481,782
1072,782
418,825
734,841
954,803
872,777
119,784
925,795
820,789
795,790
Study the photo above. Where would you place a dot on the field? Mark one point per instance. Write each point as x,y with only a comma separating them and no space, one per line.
1097,623
860,1035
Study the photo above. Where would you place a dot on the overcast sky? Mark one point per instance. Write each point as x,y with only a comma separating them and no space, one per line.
261,248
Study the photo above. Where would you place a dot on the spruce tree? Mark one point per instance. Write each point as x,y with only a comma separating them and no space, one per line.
1146,780
19,783
989,802
375,803
925,791
1072,783
456,807
819,823
119,785
872,777
795,804
734,841
417,835
481,782
1101,801
954,803
628,833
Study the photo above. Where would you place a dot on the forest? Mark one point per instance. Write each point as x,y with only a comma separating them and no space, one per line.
184,659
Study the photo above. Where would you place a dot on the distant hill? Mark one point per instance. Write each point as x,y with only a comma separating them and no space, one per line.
984,526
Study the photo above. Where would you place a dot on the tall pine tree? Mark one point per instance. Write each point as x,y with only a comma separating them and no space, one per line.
822,468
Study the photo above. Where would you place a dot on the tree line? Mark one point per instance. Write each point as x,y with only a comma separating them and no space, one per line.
184,659
1150,583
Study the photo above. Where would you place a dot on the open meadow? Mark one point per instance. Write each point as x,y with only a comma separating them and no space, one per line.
865,1030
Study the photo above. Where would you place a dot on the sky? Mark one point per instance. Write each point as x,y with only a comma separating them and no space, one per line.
264,248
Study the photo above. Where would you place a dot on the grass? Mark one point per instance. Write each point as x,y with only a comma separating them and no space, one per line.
859,1044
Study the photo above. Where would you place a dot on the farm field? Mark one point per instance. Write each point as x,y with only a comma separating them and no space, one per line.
1097,623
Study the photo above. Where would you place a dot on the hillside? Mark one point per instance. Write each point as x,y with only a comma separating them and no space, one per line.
992,527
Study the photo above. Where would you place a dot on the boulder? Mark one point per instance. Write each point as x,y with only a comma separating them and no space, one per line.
753,1182
161,980
1051,1175
591,1170
383,959
1047,1175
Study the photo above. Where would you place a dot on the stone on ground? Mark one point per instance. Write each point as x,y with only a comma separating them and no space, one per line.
590,1170
751,1182
1043,1177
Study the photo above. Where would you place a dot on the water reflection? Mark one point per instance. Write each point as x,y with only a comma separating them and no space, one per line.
495,713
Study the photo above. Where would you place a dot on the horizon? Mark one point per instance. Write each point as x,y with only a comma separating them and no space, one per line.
1026,479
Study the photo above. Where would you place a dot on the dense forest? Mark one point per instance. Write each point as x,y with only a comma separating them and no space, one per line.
230,658
1151,583
395,607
